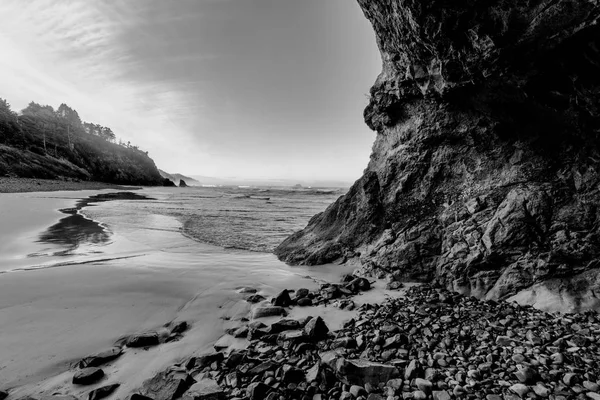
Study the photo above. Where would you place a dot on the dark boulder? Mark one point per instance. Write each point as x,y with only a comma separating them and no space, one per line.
262,312
103,391
316,329
100,358
305,302
284,325
87,376
168,183
282,299
182,183
143,340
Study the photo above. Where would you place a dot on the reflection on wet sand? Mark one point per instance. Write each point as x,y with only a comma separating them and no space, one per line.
76,229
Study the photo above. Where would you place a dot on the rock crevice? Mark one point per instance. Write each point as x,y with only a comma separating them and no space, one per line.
484,174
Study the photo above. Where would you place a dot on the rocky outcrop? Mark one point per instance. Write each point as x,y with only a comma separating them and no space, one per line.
182,183
484,174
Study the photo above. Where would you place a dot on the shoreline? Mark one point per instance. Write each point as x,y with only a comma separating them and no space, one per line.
27,185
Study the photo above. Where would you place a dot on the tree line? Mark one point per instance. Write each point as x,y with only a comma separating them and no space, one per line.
52,126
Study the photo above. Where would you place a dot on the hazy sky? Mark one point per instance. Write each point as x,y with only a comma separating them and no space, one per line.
244,88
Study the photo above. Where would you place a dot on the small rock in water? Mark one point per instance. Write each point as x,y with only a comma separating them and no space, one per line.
103,391
255,298
273,311
305,302
87,376
143,340
100,358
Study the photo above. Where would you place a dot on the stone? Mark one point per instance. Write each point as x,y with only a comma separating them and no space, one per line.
87,376
304,302
182,183
101,358
269,311
180,327
233,379
593,395
103,391
345,342
591,386
527,375
293,375
361,371
257,391
357,391
411,370
316,329
519,389
205,389
313,373
145,339
301,293
441,395
570,379
3,395
255,298
265,366
359,284
55,397
424,385
541,390
419,395
167,385
137,396
282,299
207,359
284,325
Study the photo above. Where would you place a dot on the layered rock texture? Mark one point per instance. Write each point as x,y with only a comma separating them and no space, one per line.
484,174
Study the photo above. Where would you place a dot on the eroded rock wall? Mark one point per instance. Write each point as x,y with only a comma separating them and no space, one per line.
484,175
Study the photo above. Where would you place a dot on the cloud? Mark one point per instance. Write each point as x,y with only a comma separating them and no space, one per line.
230,87
76,52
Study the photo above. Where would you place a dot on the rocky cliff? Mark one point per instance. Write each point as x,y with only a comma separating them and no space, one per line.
484,175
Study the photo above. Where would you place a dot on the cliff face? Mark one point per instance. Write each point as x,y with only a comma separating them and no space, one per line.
484,174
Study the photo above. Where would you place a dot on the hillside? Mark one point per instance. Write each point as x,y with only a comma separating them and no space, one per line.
43,143
484,175
176,178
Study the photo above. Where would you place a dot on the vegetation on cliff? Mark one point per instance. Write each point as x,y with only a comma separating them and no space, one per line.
41,142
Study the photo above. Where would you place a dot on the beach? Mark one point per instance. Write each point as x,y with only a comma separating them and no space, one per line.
23,185
58,307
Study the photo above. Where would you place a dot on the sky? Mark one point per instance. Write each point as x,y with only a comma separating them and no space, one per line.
227,88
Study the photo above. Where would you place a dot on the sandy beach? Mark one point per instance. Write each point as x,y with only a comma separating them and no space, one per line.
23,185
57,309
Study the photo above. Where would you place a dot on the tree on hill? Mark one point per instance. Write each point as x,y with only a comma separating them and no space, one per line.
44,117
